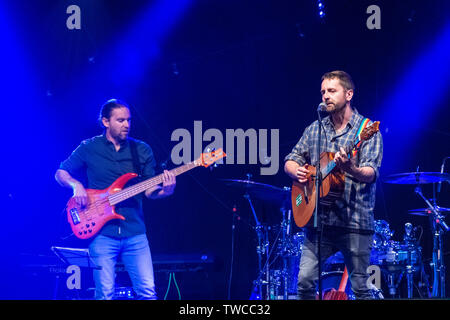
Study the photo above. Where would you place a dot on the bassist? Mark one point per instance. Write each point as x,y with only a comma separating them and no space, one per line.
347,222
103,159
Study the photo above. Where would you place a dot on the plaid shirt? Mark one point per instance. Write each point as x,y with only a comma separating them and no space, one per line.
355,211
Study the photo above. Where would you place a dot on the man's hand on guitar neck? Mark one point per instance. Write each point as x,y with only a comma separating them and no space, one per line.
166,189
343,162
363,174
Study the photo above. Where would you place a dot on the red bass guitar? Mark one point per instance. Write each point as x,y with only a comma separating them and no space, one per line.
87,221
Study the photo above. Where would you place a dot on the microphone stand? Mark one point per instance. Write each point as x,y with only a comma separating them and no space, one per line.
317,221
438,263
438,227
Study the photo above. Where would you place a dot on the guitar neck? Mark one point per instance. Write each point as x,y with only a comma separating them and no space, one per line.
362,135
133,190
332,164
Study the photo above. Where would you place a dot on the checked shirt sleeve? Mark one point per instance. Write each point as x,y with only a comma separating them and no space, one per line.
300,152
371,153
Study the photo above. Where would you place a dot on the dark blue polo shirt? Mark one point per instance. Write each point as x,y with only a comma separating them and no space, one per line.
97,161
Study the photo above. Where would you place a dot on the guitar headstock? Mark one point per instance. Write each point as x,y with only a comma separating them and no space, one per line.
208,158
369,131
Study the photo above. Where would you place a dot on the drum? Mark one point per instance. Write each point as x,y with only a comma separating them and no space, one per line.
331,281
297,243
395,256
382,234
291,250
333,270
291,246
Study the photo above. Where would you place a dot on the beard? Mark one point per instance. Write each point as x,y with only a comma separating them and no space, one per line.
119,136
333,107
123,136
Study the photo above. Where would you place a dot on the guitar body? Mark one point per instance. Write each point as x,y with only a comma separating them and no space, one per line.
303,196
87,221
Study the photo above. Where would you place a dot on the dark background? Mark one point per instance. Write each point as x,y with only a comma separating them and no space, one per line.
229,64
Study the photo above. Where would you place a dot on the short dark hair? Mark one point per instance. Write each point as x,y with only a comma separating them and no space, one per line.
344,78
108,107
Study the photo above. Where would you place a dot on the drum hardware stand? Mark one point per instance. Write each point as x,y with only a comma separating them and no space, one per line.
262,192
393,286
438,227
409,240
409,276
285,250
261,250
438,263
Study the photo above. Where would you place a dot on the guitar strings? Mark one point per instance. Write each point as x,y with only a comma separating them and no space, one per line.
129,192
144,185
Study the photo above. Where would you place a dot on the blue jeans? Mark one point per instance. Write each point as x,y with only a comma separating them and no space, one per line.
356,249
136,257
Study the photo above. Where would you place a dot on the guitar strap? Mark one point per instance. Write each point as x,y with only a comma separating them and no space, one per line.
362,126
135,157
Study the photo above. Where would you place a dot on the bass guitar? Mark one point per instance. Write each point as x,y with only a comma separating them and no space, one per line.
88,220
303,195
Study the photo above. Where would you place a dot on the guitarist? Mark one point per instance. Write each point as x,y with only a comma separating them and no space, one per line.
347,224
103,159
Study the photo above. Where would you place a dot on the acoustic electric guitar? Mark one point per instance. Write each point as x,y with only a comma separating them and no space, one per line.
303,195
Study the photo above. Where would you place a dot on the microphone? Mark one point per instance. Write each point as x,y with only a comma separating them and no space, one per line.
322,107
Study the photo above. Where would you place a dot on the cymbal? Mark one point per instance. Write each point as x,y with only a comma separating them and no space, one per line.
261,191
427,211
417,178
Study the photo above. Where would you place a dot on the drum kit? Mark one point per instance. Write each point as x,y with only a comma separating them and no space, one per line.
438,227
279,247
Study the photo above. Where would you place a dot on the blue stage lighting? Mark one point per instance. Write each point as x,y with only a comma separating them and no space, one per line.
321,8
408,111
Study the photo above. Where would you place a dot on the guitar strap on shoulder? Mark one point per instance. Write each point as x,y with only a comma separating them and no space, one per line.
362,126
135,157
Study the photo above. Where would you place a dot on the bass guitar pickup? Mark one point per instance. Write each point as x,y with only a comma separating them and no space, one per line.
75,216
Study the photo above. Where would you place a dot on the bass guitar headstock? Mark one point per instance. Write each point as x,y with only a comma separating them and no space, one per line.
208,158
